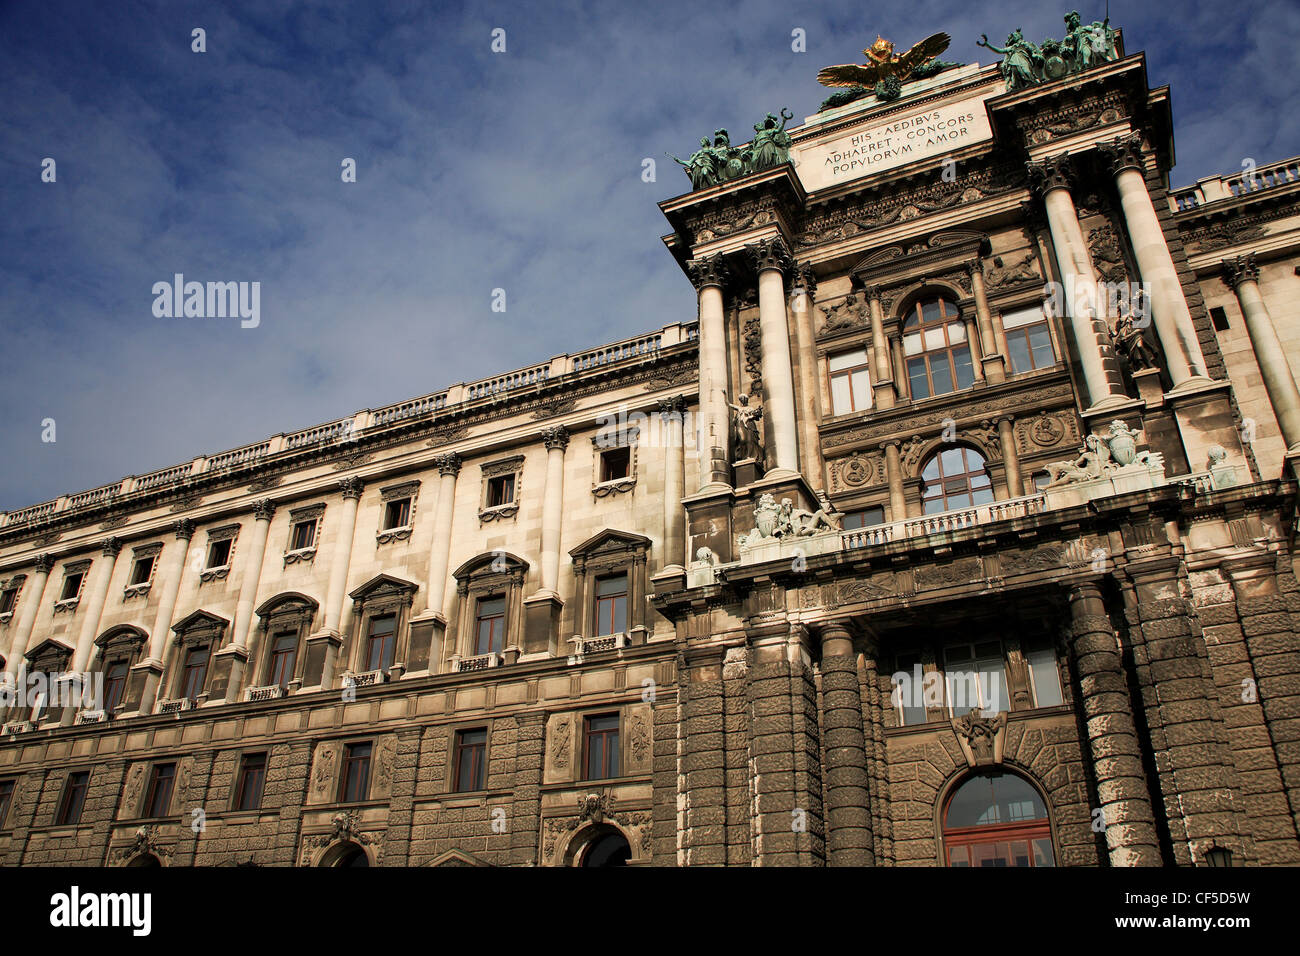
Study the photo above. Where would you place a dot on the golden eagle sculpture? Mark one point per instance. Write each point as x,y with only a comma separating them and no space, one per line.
883,65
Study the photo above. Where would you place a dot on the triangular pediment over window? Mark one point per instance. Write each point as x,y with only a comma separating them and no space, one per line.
611,541
381,585
200,620
457,858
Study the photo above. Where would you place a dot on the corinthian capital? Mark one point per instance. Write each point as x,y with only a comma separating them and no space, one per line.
351,487
264,510
44,563
184,529
711,270
112,547
1240,269
1123,153
557,436
770,254
448,464
1054,172
805,278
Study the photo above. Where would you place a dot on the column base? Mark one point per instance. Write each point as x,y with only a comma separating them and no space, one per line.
322,657
541,623
424,648
995,368
142,687
227,673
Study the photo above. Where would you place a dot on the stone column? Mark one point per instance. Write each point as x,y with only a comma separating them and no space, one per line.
93,608
1091,334
976,350
894,473
448,466
1112,737
848,803
771,260
170,577
715,394
1010,457
323,646
804,285
556,440
993,348
1242,274
882,373
903,386
239,651
671,411
92,611
1173,319
35,588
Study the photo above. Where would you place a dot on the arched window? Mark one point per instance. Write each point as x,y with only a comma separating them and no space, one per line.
955,477
938,355
997,819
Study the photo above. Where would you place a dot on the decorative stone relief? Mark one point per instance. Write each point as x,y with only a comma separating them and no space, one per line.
639,739
146,841
385,757
849,313
130,808
961,571
1005,274
862,470
561,734
324,767
981,738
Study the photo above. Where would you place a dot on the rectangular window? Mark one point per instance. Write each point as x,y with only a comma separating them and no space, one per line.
611,605
71,587
490,625
500,491
114,685
354,781
1044,675
397,514
252,778
909,690
73,799
1028,340
850,382
471,760
916,378
194,675
304,535
381,642
219,553
1220,318
159,799
142,571
975,678
866,518
8,599
284,655
600,747
615,463
6,798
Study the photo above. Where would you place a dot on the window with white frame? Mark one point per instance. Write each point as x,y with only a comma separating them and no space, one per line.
1029,340
850,382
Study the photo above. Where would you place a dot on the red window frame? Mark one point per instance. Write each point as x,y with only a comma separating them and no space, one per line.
284,657
384,644
916,323
600,747
609,605
354,780
73,800
162,778
496,627
251,782
471,745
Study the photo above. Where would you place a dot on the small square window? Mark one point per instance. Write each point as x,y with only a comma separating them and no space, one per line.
354,781
615,463
304,535
471,760
71,586
500,491
73,799
143,570
397,513
219,553
251,780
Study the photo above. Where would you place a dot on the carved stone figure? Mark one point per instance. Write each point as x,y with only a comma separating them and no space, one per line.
980,737
1130,343
767,521
746,434
1090,464
704,558
803,523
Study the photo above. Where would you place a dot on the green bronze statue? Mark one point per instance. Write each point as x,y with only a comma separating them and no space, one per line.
1022,61
720,162
771,146
1083,47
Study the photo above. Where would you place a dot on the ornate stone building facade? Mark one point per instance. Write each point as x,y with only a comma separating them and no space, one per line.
911,551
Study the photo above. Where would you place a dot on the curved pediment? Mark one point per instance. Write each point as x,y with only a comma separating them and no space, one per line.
122,634
494,561
289,601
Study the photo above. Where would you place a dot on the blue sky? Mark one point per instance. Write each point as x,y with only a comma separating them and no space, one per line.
476,171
